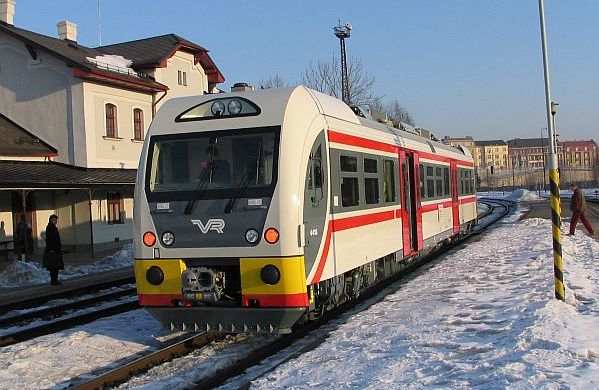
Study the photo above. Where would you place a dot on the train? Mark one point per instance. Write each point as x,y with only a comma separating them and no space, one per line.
256,211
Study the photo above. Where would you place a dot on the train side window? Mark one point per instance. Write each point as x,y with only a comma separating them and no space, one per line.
446,186
389,180
371,181
350,193
349,163
438,181
430,182
370,165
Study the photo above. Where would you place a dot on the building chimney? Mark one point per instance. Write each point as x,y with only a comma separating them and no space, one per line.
67,30
241,87
7,11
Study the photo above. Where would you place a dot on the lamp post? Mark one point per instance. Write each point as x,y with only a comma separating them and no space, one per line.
556,218
343,32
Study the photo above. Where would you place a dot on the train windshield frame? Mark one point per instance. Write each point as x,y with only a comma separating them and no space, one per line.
213,164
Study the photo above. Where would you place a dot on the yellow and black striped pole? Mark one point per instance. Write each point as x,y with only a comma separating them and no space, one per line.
556,224
556,212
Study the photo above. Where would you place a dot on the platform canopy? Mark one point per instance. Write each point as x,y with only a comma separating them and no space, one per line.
16,141
50,175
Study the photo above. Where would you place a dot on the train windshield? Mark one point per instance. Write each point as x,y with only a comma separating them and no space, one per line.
213,162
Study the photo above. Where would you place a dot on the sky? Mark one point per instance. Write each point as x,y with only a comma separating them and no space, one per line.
460,67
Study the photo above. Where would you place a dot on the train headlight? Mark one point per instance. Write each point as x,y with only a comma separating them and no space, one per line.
154,275
270,274
234,107
217,108
149,238
252,236
168,238
271,235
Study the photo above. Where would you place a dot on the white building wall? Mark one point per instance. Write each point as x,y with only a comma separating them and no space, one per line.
197,81
121,152
36,94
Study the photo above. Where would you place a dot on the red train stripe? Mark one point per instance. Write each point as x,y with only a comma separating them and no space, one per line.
159,299
346,139
362,220
435,206
277,300
323,257
352,140
468,200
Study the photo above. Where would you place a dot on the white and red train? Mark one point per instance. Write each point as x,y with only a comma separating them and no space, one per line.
257,210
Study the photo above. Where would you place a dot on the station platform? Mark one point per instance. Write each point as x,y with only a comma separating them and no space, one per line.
14,295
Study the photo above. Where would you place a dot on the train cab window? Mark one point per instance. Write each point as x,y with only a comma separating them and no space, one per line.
438,181
422,189
430,182
349,163
350,192
215,164
446,186
389,180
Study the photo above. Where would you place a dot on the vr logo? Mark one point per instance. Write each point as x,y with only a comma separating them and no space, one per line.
212,224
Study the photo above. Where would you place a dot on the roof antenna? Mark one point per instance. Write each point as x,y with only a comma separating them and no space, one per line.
99,26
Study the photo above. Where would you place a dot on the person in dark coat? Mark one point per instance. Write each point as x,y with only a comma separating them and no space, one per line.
53,253
578,206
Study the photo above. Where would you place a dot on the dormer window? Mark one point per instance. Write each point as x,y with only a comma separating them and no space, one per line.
111,121
138,124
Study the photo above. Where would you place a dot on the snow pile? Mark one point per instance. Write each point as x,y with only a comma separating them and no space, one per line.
521,195
484,316
26,273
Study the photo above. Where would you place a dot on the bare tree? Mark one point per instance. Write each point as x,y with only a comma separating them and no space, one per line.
275,81
325,76
398,113
395,112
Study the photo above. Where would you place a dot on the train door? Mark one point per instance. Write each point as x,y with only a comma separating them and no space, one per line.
409,199
315,201
455,202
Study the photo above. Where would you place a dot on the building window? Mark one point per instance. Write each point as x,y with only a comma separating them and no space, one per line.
138,124
111,121
181,77
116,212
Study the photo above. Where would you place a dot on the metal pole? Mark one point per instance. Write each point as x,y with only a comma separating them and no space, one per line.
556,218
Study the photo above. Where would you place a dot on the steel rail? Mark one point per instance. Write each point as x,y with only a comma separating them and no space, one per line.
33,302
66,323
144,363
54,311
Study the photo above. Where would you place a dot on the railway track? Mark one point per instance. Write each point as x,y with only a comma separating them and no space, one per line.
499,207
49,323
71,293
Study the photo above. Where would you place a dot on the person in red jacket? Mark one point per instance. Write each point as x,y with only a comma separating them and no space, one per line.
578,206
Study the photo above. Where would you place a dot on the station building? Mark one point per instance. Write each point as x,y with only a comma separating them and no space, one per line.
72,124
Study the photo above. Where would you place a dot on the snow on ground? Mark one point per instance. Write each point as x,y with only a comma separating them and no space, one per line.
516,195
22,273
52,360
483,316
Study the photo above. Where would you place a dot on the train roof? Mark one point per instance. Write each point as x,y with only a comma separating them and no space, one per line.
275,103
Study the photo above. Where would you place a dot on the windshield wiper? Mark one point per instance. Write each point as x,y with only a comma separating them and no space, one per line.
242,186
245,181
197,194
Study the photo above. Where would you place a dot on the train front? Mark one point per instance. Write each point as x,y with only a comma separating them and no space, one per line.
208,250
